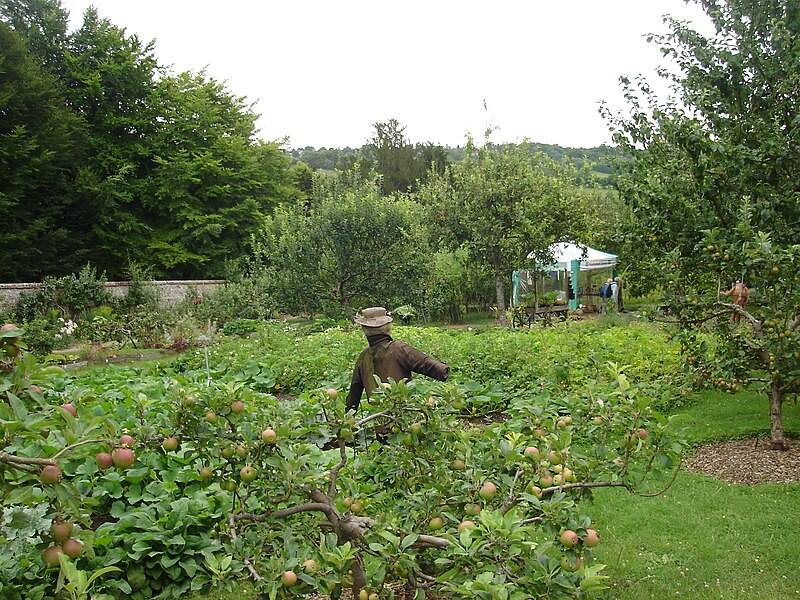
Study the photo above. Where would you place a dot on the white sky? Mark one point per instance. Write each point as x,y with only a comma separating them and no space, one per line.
323,72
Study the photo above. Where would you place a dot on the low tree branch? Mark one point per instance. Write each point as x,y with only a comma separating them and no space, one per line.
430,541
669,485
576,486
25,460
248,565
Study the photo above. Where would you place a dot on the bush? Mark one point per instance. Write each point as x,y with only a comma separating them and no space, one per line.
245,299
139,295
40,335
70,295
445,294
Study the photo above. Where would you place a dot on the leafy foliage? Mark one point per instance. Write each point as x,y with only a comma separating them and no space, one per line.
351,246
504,204
188,515
713,187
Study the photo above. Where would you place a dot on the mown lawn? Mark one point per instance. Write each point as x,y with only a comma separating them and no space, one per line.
704,538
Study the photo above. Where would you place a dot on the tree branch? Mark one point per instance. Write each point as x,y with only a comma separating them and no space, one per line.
77,444
232,529
430,541
284,512
25,460
576,486
669,485
335,470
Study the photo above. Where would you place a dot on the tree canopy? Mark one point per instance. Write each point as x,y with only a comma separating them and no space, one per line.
506,203
714,186
107,156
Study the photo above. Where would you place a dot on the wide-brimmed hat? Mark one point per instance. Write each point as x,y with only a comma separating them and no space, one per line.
373,317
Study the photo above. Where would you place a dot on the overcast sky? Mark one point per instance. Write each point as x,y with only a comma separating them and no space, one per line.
321,73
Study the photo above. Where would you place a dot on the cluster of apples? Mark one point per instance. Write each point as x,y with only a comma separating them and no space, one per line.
121,457
63,543
572,540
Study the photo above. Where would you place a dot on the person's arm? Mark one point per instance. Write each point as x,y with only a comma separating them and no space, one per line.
421,363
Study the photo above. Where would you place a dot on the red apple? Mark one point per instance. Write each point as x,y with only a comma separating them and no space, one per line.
103,460
60,531
472,509
570,566
70,408
309,565
289,578
591,539
123,458
464,524
488,490
569,538
72,548
50,556
50,475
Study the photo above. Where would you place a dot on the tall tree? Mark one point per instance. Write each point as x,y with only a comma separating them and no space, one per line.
40,147
393,156
43,24
715,191
506,203
209,183
110,78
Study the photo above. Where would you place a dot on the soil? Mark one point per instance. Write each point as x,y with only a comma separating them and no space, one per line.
747,462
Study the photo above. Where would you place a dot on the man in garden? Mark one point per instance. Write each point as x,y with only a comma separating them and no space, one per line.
617,293
387,358
605,295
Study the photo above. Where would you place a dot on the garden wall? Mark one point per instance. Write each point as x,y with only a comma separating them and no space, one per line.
168,293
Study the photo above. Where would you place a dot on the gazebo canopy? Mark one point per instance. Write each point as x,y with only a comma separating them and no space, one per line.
591,259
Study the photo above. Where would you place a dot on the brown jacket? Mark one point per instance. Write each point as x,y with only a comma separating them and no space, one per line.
387,358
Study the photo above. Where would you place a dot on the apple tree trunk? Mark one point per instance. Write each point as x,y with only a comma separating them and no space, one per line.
500,289
778,441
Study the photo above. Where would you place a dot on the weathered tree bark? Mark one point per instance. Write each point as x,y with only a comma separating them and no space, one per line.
778,441
501,298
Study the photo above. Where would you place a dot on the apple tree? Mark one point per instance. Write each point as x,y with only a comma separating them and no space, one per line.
503,204
715,193
182,484
349,244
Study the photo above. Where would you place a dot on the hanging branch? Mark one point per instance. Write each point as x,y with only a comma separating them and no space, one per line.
669,485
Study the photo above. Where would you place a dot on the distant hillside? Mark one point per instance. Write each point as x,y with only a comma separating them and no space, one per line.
599,159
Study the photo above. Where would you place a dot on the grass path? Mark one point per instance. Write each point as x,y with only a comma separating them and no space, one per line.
702,539
705,538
